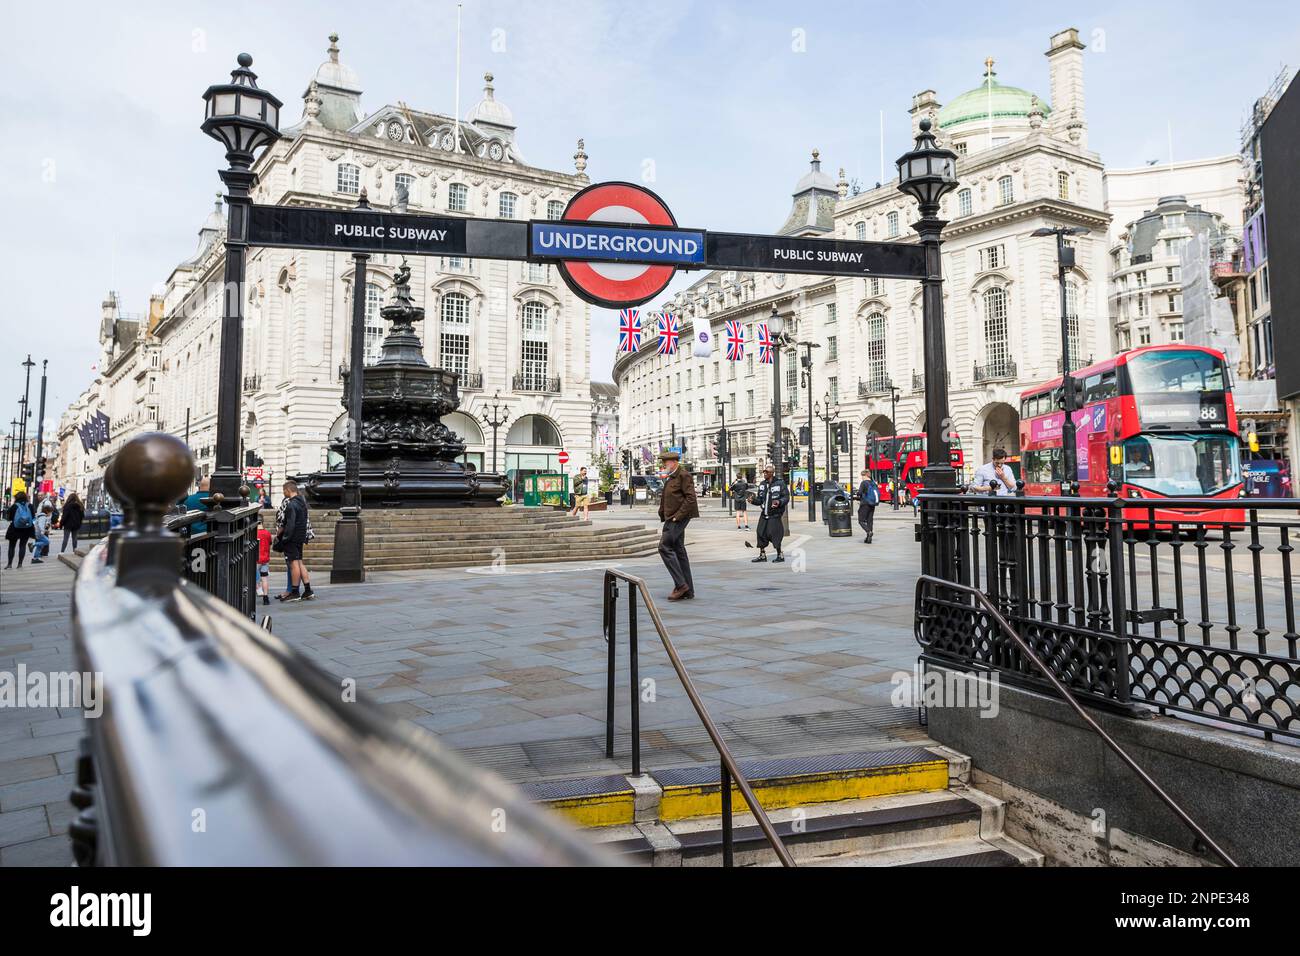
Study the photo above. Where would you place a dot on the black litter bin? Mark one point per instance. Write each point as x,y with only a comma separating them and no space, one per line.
839,516
827,492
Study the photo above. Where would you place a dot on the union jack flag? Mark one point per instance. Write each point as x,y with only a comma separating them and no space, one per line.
629,330
735,341
668,333
765,344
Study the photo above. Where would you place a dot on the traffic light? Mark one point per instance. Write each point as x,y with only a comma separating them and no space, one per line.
722,443
805,435
28,473
842,435
40,467
771,452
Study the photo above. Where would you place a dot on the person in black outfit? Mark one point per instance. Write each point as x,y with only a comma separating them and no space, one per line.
22,527
868,497
740,495
74,513
292,538
771,496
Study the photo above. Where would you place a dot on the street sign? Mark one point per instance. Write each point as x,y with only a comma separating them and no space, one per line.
257,474
887,260
608,281
371,231
564,457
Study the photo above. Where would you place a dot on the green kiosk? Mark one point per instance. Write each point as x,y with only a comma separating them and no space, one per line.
546,489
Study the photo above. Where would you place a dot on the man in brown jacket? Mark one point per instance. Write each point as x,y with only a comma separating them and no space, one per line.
677,506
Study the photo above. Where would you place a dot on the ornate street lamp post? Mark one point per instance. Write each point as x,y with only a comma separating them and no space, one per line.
500,415
893,445
806,380
244,119
724,453
1069,448
829,413
776,325
927,174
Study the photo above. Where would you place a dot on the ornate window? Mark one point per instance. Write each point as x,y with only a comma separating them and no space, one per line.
861,230
534,347
374,325
997,348
1006,194
457,197
891,224
874,286
964,203
407,180
1062,185
349,178
877,352
554,209
453,341
506,205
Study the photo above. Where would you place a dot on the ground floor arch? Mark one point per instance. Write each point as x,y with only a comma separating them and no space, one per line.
997,426
533,445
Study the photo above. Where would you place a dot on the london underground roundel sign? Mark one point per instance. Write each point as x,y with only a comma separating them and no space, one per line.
603,280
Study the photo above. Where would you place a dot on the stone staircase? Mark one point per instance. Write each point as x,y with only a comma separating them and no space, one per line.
402,540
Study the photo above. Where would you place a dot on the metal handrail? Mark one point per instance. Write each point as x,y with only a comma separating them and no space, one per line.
928,579
730,769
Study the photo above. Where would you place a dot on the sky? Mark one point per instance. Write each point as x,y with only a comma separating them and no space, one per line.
716,105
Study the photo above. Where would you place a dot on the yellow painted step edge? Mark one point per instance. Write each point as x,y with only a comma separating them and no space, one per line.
596,810
705,800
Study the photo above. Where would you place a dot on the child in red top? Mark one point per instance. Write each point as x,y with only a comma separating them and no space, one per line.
264,564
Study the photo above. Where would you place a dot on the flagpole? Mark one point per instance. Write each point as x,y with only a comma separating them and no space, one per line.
457,144
988,87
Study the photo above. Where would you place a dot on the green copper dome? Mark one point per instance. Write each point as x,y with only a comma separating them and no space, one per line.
1006,101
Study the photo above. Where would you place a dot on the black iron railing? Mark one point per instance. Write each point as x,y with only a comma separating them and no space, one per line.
995,372
1182,605
470,380
729,771
525,382
222,557
927,585
875,385
202,709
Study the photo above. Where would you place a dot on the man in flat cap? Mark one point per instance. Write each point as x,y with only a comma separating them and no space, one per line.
677,506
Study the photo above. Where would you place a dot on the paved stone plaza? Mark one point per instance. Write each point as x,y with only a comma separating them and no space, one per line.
509,665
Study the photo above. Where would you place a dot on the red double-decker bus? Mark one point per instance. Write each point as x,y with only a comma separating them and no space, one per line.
903,456
1159,420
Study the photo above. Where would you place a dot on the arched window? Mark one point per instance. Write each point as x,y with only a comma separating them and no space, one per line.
506,205
535,430
349,178
964,203
534,348
1072,324
1006,194
453,340
877,355
457,197
374,324
554,209
465,427
861,230
891,224
997,348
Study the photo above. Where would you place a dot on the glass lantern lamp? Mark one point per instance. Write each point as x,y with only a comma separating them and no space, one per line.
928,172
240,115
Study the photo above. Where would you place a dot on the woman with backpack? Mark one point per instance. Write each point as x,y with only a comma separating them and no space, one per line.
868,497
22,527
74,513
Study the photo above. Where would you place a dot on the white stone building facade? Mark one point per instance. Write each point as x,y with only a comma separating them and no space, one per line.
1023,163
507,327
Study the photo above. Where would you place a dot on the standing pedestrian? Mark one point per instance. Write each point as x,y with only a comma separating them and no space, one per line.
22,527
42,526
677,506
264,539
74,514
994,474
772,495
739,494
580,497
291,541
868,497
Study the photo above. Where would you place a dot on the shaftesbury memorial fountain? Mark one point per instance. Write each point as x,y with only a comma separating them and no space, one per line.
408,456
